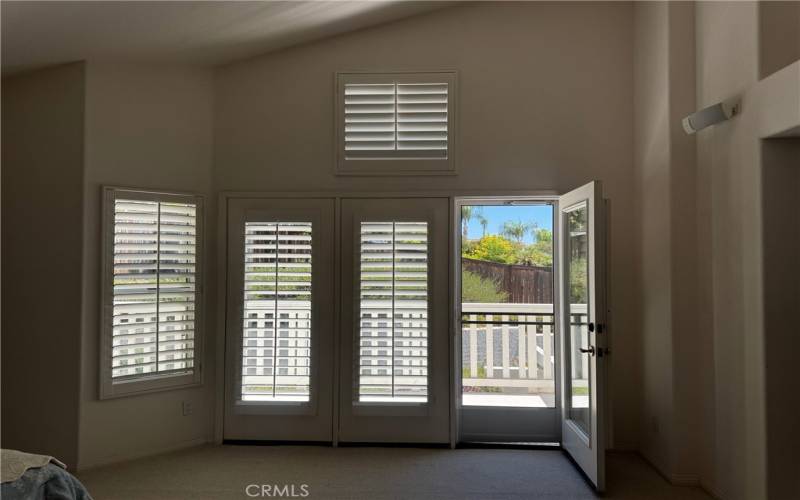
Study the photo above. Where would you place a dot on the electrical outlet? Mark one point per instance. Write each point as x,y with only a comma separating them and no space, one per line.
187,408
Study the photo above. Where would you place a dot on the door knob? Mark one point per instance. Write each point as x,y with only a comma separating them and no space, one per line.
590,350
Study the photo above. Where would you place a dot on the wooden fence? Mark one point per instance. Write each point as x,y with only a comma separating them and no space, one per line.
523,284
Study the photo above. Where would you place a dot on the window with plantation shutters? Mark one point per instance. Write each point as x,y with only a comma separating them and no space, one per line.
396,123
151,291
276,341
393,332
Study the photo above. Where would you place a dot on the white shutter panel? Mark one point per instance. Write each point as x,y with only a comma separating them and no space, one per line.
411,310
276,341
422,119
369,116
393,349
154,291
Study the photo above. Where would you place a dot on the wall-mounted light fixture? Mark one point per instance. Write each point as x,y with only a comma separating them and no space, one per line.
711,115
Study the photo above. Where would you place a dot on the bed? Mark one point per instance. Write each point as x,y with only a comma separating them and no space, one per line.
25,476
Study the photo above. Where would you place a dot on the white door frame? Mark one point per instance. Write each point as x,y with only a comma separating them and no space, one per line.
282,420
542,420
402,422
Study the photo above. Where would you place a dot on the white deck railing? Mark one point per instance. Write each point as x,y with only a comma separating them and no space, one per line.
525,357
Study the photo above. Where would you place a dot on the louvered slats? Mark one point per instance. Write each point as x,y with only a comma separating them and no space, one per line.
370,116
396,120
276,341
154,291
422,118
393,332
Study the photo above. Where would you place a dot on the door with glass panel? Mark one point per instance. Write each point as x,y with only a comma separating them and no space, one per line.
279,328
583,322
394,369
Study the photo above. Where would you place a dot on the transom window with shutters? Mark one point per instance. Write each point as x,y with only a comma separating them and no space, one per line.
151,291
396,123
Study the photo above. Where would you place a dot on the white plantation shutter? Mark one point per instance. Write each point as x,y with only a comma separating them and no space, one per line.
152,292
393,332
422,119
370,119
403,117
276,341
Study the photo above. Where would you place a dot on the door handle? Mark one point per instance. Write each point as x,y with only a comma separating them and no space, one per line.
598,327
590,350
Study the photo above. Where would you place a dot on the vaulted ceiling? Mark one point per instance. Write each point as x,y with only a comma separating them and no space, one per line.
36,34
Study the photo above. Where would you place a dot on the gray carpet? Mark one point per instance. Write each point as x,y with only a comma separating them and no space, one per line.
222,472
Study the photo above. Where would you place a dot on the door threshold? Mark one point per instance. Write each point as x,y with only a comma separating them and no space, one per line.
370,444
274,442
506,445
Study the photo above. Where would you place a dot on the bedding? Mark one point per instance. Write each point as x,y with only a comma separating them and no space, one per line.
25,476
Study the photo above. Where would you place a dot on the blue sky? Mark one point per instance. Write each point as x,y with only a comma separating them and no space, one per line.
542,215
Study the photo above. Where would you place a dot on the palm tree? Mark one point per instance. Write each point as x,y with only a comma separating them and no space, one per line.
515,230
484,222
533,227
467,212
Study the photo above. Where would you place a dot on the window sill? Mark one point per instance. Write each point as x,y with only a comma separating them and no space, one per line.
149,385
391,409
275,408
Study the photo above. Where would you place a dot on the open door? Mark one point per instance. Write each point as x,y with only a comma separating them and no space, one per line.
583,343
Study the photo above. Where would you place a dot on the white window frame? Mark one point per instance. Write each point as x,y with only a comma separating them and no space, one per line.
149,382
396,166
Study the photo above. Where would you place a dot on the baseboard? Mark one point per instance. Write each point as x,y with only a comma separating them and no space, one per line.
684,479
117,458
658,468
711,490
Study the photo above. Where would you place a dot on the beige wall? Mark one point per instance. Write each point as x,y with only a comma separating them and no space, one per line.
727,64
146,127
700,210
779,33
691,351
730,175
42,205
652,160
665,206
545,104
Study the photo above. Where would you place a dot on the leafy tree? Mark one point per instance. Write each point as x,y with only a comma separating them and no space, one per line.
542,235
474,288
533,255
515,230
578,281
494,249
540,252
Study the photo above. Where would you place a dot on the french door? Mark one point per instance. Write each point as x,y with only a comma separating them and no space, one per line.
583,341
394,364
393,341
280,320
